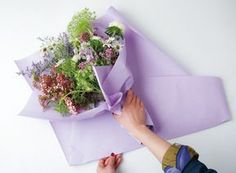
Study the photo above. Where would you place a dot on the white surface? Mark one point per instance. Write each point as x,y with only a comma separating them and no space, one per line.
200,34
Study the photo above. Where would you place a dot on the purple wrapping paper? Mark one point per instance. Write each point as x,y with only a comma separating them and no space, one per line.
177,102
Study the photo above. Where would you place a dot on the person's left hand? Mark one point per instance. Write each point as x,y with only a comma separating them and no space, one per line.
109,164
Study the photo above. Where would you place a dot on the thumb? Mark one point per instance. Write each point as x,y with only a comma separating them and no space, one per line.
111,161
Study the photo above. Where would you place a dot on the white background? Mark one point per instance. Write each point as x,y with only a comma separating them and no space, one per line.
199,34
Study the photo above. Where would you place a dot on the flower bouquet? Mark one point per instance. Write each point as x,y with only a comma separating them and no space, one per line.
65,76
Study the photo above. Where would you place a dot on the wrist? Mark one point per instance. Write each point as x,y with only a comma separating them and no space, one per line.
137,131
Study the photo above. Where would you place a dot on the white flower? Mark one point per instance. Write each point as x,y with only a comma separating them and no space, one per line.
76,57
109,42
112,42
117,24
83,45
96,38
59,62
75,50
111,39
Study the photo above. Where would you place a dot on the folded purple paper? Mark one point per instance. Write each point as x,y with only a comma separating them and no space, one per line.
177,102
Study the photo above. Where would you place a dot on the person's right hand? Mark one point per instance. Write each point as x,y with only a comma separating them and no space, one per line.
132,116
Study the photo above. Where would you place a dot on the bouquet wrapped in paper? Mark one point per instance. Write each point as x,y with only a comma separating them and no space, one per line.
79,78
72,74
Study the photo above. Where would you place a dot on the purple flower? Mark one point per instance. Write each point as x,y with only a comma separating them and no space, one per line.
86,52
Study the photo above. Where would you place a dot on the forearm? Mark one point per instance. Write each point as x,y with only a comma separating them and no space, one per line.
174,158
153,142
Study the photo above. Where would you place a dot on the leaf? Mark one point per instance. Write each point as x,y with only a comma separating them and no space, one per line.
114,31
97,45
68,67
61,107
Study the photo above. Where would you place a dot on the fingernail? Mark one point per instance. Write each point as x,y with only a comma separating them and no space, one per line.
112,154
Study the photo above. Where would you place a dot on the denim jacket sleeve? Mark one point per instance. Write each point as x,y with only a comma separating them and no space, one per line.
182,158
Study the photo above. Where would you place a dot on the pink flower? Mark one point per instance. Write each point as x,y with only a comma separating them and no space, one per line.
73,109
82,65
109,53
64,83
46,83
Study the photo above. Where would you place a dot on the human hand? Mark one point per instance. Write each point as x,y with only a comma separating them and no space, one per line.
132,116
109,164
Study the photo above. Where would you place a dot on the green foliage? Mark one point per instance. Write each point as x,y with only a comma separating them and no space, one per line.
114,31
86,86
61,107
97,45
85,80
35,77
59,51
101,61
81,22
68,67
81,99
85,98
85,83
